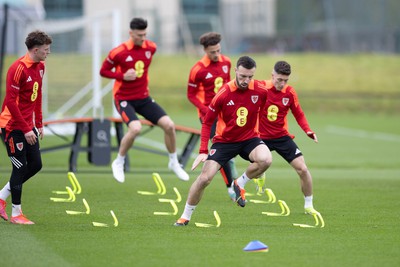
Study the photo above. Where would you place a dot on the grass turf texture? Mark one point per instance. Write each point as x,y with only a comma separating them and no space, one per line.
356,180
324,82
355,168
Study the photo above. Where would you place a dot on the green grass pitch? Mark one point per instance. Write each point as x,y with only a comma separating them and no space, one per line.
356,181
352,103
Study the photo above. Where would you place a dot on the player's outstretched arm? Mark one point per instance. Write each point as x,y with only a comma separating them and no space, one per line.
200,158
313,136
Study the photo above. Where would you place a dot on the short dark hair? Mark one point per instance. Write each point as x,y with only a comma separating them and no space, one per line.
210,38
282,67
37,38
138,24
246,62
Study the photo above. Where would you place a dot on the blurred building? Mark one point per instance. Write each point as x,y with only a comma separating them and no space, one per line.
175,25
246,25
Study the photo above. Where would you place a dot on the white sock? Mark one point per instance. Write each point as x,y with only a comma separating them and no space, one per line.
242,180
230,190
308,202
187,213
16,210
120,158
5,192
173,157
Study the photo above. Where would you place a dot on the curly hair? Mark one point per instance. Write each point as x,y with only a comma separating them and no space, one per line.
210,38
37,38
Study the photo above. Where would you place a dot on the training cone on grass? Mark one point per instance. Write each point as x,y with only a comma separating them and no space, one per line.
74,212
319,222
71,197
217,218
285,211
256,246
99,224
76,187
161,190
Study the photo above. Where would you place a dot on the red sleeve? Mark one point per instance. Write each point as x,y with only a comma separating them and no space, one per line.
38,111
15,77
298,113
191,95
110,63
193,89
209,118
229,67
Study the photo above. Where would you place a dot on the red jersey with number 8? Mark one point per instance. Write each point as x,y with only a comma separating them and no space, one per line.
22,106
237,111
129,56
205,79
273,121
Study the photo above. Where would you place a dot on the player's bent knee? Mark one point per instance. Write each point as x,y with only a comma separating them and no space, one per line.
302,171
268,161
169,127
204,180
166,124
134,130
265,165
265,160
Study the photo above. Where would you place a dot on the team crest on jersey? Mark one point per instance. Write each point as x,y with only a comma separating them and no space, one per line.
254,98
285,101
41,73
148,54
212,152
225,69
123,104
20,146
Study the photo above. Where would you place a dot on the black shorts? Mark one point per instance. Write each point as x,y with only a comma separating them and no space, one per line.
284,146
16,143
147,107
223,152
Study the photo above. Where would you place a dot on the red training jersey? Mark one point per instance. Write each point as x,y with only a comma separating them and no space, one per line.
205,79
129,56
22,106
273,122
237,111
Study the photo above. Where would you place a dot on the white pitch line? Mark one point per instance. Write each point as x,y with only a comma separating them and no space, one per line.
363,134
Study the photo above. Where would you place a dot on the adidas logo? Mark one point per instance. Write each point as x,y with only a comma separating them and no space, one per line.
230,103
297,151
209,75
129,58
29,79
